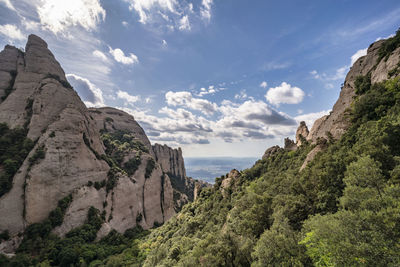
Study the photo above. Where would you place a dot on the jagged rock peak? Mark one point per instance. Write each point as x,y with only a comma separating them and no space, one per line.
302,132
271,151
171,160
34,40
290,144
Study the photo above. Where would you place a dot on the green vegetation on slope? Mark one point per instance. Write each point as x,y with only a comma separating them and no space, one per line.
14,147
343,209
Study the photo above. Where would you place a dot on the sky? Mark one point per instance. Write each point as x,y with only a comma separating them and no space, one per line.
214,77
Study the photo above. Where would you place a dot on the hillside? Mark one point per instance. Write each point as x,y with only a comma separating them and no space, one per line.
341,209
331,200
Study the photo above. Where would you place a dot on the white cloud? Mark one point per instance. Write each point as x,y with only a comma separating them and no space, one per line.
100,55
120,57
184,24
339,74
310,118
58,15
8,4
250,120
263,84
357,55
242,95
205,10
144,7
90,94
129,99
186,99
124,23
30,25
285,93
211,90
275,66
11,32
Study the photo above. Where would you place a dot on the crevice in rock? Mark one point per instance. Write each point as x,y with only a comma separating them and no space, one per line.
162,195
10,87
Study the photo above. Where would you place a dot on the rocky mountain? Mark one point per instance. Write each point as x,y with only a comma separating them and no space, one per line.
97,158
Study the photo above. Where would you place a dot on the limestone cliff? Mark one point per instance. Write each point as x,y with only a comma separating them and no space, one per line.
101,157
336,123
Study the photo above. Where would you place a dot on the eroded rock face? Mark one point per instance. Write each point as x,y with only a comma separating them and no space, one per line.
301,133
336,123
35,95
290,144
42,102
271,151
171,160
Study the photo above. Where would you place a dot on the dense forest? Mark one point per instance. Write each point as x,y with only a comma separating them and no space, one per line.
343,209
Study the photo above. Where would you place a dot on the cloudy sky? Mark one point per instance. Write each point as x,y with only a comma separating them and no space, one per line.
215,77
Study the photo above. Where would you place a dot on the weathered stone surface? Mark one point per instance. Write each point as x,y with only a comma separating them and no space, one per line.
336,123
271,151
302,132
290,144
55,117
111,119
171,160
8,68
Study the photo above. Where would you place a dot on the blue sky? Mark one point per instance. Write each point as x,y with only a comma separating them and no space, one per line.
217,78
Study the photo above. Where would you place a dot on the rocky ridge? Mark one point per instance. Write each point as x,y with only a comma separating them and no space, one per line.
334,125
83,153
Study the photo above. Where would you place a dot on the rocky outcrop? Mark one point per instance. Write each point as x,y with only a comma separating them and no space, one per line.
270,152
228,181
42,101
301,133
36,95
111,119
337,122
290,144
171,160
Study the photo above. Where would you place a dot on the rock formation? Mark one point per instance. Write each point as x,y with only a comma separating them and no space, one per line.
101,157
301,133
336,123
271,151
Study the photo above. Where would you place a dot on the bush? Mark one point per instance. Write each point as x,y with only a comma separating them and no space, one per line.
14,147
132,165
39,154
149,167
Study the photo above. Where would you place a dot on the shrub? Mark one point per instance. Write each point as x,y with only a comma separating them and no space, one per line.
149,167
39,154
